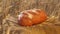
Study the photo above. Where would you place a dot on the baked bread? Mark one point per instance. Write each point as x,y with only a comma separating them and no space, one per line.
31,17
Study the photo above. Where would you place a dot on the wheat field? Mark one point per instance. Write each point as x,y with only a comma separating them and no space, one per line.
9,10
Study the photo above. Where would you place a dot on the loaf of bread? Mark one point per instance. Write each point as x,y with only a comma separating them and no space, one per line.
31,17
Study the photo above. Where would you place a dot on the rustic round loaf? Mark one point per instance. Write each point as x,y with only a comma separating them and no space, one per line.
31,17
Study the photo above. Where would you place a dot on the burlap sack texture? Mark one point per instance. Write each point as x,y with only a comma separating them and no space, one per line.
9,9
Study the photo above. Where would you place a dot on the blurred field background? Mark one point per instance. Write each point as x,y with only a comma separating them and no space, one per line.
9,9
